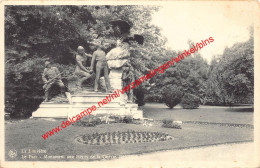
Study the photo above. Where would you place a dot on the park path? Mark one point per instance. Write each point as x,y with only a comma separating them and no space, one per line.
226,155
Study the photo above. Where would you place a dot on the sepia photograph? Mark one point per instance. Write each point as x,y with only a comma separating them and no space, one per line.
129,84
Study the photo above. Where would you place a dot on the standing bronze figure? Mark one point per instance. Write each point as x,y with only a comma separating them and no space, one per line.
99,56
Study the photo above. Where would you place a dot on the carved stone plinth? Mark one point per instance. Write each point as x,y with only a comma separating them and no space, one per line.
116,83
84,99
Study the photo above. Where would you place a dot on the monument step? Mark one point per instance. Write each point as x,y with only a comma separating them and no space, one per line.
51,113
107,110
105,107
66,113
94,94
87,105
90,92
62,110
94,99
54,105
95,103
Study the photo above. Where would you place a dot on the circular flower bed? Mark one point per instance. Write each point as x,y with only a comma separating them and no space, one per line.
122,137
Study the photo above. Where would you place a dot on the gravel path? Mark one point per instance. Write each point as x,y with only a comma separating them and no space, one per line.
227,155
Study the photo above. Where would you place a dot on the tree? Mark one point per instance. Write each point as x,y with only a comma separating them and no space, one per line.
189,74
232,75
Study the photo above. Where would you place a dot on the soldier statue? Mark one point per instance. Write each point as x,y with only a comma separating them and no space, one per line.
128,77
51,76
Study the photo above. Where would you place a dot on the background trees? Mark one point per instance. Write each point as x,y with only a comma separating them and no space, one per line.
189,76
231,78
227,80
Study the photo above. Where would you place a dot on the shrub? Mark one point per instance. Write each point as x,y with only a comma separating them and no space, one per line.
23,87
121,119
93,120
127,119
150,97
168,123
139,93
89,121
190,101
172,96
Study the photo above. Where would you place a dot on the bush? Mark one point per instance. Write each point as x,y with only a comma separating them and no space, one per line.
153,98
168,123
93,120
190,101
127,119
172,96
121,119
139,93
89,121
23,87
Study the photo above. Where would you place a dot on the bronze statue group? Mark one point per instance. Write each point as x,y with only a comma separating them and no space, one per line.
51,74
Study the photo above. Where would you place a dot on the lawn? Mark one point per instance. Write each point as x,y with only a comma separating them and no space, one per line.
26,134
215,114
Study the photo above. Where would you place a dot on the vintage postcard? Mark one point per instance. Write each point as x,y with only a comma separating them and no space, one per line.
129,84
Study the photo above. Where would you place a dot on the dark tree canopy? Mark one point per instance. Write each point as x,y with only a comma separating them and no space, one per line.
231,77
228,79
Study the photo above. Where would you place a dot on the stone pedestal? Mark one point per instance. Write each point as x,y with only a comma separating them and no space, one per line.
115,77
83,100
52,110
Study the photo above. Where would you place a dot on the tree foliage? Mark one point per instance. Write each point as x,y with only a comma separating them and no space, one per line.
231,78
228,79
189,75
190,101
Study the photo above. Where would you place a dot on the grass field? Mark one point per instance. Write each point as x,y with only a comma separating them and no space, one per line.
217,114
26,134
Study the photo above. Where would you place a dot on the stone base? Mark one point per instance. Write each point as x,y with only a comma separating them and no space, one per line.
52,110
83,100
116,83
47,110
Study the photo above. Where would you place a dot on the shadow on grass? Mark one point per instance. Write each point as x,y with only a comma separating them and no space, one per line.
240,109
